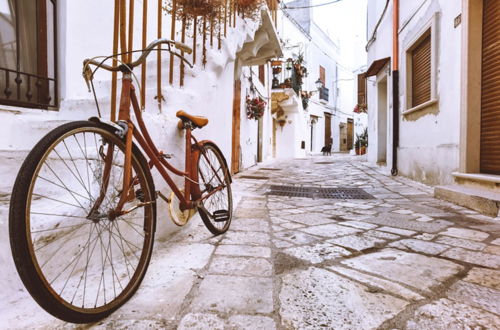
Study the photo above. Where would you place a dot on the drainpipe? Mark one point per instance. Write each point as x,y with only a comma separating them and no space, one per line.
395,86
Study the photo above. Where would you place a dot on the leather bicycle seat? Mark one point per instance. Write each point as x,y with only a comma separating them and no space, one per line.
197,121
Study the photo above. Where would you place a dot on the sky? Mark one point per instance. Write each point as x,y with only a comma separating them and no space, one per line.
345,23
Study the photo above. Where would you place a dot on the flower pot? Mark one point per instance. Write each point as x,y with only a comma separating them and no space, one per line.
357,151
276,63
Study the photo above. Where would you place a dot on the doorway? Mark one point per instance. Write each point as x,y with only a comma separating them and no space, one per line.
328,129
382,121
235,149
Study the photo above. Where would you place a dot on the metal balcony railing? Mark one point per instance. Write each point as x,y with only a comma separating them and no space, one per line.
324,94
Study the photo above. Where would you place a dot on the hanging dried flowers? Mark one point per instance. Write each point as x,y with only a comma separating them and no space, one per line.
196,8
255,107
249,8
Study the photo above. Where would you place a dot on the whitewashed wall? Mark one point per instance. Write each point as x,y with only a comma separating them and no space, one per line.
428,138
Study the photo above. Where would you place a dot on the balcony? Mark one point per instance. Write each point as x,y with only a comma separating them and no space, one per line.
324,94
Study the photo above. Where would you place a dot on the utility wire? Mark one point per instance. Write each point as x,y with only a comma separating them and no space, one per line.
374,34
312,6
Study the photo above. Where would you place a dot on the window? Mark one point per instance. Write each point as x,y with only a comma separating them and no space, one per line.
262,74
28,53
362,90
421,67
421,71
322,75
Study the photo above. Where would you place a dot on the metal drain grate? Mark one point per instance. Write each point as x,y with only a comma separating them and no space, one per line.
325,163
269,169
318,192
254,177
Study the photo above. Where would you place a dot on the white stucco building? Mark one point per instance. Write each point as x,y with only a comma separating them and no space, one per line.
444,130
312,118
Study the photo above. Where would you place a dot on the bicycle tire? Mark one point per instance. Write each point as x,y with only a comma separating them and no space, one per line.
30,243
211,161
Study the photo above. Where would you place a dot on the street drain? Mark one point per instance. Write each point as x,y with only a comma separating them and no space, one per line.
318,192
325,163
254,177
270,169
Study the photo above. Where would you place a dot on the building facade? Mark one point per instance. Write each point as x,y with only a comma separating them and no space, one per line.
442,126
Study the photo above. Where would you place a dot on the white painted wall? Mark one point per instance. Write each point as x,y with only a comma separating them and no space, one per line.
429,138
86,32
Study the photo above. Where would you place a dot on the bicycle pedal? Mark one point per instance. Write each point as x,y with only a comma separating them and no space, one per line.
221,216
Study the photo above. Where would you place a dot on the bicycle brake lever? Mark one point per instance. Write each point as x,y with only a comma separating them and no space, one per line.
88,76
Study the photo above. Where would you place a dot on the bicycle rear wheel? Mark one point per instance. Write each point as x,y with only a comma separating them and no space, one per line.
213,174
80,265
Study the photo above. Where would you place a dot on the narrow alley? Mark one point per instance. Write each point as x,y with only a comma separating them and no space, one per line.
397,259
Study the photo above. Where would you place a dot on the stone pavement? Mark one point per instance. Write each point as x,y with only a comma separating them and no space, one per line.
402,260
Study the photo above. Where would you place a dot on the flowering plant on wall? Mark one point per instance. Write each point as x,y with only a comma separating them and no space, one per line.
255,107
360,108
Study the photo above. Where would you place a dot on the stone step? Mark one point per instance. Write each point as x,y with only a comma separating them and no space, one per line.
483,201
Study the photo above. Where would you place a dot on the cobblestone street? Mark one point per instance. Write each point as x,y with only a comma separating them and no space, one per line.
402,260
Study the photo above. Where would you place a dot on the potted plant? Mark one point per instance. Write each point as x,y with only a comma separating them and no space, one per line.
364,141
357,144
255,107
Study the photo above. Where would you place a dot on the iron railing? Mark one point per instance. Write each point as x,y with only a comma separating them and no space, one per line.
29,89
324,94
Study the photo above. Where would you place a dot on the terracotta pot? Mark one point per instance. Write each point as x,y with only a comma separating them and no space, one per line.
276,63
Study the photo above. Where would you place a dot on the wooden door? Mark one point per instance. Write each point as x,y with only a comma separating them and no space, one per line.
350,133
490,89
235,154
328,129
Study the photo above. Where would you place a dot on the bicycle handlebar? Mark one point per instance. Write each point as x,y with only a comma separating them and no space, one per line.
183,47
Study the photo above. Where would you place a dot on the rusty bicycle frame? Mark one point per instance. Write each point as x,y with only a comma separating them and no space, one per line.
192,196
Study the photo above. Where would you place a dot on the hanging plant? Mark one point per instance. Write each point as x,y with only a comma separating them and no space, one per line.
196,8
255,107
249,8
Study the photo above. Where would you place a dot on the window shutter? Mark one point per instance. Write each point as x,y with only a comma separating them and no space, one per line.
322,75
490,91
361,89
262,74
421,71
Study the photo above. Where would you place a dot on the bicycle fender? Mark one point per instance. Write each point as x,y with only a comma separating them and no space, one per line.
120,131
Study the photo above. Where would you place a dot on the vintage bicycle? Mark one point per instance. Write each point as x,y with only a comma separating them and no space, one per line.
83,207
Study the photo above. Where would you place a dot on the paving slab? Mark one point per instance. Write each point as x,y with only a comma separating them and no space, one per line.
199,321
447,314
473,257
244,250
463,243
415,270
416,245
296,237
317,253
486,277
316,298
250,224
357,242
476,295
238,322
241,266
358,224
377,282
246,238
473,235
406,222
330,230
233,294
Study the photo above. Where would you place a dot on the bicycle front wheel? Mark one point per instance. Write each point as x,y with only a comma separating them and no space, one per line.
214,189
77,260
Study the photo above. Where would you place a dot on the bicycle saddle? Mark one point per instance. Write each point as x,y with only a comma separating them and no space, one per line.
197,121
